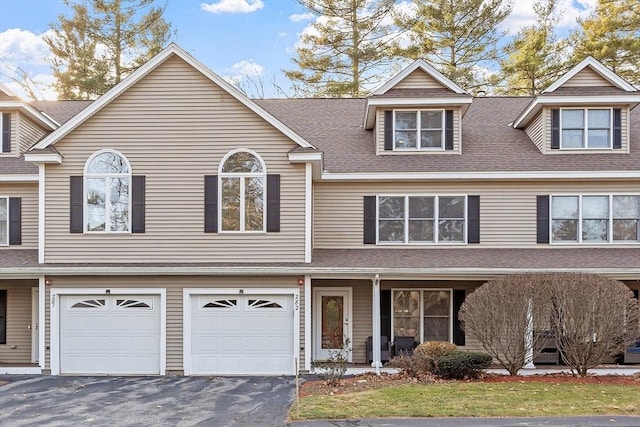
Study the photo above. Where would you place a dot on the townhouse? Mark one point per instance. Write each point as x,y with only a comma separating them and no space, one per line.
174,226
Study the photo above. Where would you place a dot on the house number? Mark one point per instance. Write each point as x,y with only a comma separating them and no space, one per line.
53,300
296,302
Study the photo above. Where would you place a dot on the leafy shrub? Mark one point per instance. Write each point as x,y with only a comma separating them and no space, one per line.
462,364
424,359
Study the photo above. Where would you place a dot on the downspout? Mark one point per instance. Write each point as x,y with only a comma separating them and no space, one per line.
376,363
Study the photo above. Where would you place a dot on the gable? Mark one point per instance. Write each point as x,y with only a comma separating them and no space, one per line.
587,77
418,79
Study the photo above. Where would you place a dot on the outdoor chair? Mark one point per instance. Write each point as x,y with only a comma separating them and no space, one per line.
385,353
403,346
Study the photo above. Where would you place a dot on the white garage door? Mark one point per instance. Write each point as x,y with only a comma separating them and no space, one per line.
242,334
110,334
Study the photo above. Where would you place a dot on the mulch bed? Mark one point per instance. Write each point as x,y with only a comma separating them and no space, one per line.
371,381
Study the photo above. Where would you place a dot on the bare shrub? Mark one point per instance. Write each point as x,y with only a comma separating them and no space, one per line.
593,317
414,366
435,349
501,313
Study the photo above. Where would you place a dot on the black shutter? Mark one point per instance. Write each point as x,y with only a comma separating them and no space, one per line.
617,128
385,313
388,130
3,316
6,132
15,221
473,230
211,203
635,293
555,129
76,196
542,207
458,332
369,220
273,203
448,130
138,204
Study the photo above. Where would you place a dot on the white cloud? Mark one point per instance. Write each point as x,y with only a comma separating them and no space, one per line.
298,17
246,67
22,46
233,6
568,12
281,34
42,87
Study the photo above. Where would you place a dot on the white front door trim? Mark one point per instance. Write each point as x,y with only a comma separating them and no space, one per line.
186,316
347,293
35,325
55,317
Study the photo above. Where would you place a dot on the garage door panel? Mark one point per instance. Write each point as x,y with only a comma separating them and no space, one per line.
110,335
243,334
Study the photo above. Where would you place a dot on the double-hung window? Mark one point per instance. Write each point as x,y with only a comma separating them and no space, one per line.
421,219
424,314
107,195
4,221
418,129
595,218
586,128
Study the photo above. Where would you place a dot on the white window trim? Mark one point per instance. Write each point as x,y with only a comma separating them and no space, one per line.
85,207
241,175
436,234
8,222
55,318
610,240
585,140
419,130
187,293
421,326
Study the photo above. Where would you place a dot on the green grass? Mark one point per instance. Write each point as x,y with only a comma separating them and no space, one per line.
459,399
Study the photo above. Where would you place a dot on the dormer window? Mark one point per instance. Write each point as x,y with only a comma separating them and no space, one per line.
586,128
418,129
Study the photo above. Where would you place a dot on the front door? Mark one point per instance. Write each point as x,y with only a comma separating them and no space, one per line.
332,331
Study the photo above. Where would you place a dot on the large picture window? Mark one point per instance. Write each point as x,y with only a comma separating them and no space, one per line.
586,128
424,314
4,221
418,129
595,218
421,219
242,182
107,193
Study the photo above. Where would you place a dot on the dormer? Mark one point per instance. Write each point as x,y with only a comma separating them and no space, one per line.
585,111
418,111
21,125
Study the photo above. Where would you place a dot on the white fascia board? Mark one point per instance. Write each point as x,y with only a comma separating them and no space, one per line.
597,66
491,176
428,69
51,158
18,178
315,159
582,101
443,101
145,69
30,111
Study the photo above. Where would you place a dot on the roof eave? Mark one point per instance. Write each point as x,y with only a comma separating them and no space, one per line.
43,158
600,69
43,119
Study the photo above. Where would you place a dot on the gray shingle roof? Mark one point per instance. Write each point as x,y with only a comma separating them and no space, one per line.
489,143
60,111
16,166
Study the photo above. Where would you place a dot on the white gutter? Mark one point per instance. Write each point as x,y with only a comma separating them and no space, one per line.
460,176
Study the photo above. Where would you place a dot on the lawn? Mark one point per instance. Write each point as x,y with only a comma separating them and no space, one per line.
474,399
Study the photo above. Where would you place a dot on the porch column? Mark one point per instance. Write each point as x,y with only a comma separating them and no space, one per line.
376,363
528,339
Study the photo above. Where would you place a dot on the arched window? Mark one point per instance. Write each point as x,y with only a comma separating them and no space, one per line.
107,179
242,183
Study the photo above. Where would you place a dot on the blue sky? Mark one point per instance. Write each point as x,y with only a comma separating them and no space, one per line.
234,38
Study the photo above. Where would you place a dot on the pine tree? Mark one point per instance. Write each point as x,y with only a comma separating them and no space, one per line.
535,58
349,46
457,37
102,42
612,36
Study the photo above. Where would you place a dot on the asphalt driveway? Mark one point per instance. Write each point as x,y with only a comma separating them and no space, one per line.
145,401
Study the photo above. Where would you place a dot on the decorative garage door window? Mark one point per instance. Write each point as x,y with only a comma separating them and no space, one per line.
266,304
87,303
220,303
134,303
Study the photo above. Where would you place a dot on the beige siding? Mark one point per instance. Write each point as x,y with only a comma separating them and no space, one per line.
586,77
29,195
18,346
418,79
457,143
536,132
507,210
174,288
624,125
174,127
28,132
